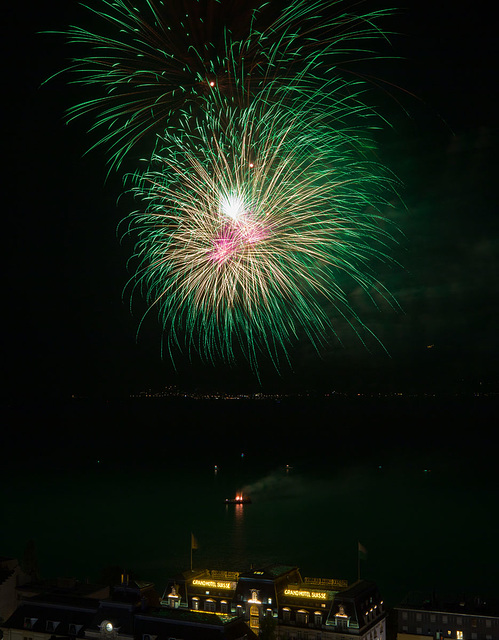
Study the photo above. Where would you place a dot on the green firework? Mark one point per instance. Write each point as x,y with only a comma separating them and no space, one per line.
253,219
261,196
151,60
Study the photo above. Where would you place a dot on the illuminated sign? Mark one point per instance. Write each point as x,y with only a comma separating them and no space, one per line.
317,595
214,584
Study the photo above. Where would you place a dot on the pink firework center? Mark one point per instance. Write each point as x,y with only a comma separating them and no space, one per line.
240,231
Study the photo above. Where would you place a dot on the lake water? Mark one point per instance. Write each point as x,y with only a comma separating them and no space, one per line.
97,484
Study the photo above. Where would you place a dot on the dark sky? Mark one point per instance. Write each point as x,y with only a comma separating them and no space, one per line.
66,327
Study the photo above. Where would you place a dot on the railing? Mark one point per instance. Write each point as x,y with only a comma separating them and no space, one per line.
327,582
224,575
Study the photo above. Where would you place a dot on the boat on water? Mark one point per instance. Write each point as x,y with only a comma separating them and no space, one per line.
239,499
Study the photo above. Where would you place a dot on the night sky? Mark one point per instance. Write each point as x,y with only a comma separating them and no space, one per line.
67,330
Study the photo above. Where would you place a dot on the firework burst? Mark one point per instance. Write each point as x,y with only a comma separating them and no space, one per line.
151,60
253,218
262,197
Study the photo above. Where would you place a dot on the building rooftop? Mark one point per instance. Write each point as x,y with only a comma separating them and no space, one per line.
270,572
451,603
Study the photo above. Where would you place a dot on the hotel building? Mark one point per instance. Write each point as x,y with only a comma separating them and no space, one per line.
301,609
272,601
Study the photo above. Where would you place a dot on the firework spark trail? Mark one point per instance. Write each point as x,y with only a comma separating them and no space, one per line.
252,216
262,196
152,60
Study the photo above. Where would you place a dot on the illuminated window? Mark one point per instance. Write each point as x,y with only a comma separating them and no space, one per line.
302,616
270,600
459,635
254,617
195,603
209,605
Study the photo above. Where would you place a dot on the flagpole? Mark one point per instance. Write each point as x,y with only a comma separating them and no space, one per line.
358,561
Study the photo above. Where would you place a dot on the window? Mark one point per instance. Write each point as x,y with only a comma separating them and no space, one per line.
270,600
318,618
404,615
459,635
239,609
433,618
254,617
418,617
224,607
444,618
195,603
286,615
209,605
302,616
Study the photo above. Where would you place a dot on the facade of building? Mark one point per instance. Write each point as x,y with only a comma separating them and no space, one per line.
209,605
133,612
301,609
11,577
447,618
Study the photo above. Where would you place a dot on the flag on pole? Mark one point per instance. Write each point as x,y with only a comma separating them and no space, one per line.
194,542
362,552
